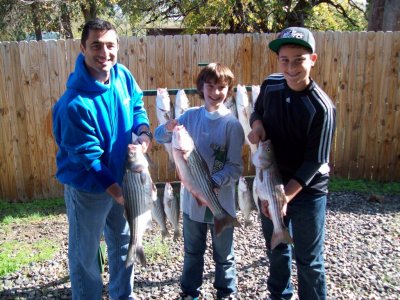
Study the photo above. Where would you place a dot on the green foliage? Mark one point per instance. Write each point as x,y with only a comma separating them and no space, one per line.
18,19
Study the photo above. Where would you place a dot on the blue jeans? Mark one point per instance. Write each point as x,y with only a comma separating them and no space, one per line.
305,219
89,215
195,236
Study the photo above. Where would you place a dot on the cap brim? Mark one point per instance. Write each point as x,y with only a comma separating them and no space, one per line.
276,44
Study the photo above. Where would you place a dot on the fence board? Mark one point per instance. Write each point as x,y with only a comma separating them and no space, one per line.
360,105
34,142
352,112
396,132
385,113
7,170
365,90
19,137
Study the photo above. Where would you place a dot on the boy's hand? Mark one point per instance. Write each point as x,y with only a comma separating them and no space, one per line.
257,132
170,125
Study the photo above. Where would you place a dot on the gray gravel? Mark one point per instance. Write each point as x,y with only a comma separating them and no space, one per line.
362,258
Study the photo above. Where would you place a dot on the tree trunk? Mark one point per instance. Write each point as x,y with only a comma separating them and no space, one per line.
384,15
35,11
391,17
66,21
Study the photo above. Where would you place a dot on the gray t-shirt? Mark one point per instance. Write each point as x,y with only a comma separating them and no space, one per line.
219,138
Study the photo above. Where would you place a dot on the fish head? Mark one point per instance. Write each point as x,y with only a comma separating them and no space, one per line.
181,140
264,155
136,160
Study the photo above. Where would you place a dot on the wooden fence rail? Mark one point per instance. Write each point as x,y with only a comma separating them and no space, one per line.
359,70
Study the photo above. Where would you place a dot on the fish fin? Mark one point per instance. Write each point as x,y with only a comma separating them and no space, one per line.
140,255
281,237
227,221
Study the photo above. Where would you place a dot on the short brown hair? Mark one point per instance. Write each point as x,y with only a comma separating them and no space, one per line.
215,73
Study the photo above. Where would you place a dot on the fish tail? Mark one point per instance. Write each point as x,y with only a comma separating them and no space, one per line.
130,257
221,224
248,223
164,234
176,234
140,255
281,237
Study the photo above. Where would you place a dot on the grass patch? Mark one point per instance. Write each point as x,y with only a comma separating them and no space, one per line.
15,255
364,186
156,250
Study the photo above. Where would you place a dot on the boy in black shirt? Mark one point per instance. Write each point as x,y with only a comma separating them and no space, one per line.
299,118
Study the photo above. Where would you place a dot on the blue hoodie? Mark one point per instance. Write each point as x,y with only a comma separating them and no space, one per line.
93,124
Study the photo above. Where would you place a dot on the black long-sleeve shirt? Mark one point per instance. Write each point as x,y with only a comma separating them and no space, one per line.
301,126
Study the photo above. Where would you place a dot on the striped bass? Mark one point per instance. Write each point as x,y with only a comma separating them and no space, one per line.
137,189
181,103
157,212
244,200
196,178
270,188
164,113
171,208
243,111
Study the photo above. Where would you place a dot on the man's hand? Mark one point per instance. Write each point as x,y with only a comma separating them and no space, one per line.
116,192
145,141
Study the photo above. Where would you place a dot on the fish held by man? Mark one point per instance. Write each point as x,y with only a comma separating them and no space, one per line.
196,178
270,188
136,189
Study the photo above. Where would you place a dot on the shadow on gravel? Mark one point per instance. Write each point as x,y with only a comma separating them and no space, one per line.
44,208
39,292
363,204
209,275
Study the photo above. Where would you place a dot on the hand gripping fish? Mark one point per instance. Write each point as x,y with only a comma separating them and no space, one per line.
137,191
196,178
270,188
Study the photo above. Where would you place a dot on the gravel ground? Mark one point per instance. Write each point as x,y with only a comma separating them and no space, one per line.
362,257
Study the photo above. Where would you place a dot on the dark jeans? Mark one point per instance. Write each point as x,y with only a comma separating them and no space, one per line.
195,237
305,219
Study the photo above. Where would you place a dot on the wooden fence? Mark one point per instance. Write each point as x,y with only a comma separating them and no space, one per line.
359,70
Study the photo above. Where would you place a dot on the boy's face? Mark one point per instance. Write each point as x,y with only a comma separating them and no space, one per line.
295,63
100,51
214,94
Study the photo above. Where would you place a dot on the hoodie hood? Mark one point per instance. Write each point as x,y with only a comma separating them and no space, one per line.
82,81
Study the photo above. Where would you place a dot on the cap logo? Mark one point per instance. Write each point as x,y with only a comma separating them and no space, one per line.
292,34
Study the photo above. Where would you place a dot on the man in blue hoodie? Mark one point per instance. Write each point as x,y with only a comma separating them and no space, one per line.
93,123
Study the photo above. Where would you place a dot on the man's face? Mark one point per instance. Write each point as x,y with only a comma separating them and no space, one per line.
100,51
295,63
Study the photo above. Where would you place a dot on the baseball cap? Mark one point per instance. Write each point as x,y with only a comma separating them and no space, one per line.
293,35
